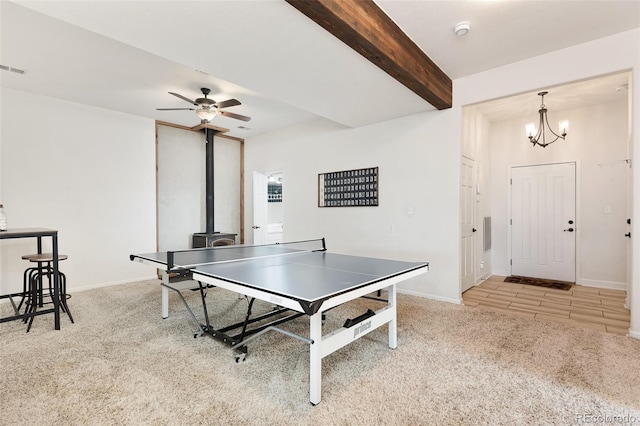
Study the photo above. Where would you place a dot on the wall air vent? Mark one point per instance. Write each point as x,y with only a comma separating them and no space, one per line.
11,69
486,240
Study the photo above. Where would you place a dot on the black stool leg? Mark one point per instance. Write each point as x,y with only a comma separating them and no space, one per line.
32,303
63,295
31,293
26,285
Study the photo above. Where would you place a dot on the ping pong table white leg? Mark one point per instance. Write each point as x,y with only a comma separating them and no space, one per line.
393,324
315,358
165,295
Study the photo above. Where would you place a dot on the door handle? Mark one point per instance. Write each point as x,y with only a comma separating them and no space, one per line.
568,230
628,235
255,227
473,230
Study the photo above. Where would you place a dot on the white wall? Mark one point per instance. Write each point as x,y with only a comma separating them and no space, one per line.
182,186
418,184
484,262
87,172
227,169
597,140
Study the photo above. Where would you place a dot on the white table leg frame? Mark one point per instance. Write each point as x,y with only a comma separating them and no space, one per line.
165,295
325,345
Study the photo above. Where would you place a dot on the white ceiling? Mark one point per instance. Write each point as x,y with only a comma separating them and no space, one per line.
126,55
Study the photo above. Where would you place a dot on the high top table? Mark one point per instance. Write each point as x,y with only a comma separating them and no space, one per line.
38,233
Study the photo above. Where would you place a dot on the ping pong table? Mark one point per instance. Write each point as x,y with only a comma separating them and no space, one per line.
299,279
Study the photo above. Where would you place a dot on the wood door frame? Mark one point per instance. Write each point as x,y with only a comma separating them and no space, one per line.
578,220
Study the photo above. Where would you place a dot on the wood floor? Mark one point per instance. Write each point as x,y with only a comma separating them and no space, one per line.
597,308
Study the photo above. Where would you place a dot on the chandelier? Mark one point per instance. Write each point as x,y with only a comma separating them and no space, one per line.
538,136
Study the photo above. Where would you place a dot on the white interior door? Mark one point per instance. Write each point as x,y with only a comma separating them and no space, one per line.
260,208
467,223
543,221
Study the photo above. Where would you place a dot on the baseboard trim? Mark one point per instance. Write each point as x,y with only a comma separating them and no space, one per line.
430,296
483,277
634,334
612,285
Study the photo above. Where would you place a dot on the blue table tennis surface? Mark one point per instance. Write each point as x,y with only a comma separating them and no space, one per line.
302,275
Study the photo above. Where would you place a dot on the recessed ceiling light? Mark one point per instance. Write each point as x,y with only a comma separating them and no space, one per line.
462,28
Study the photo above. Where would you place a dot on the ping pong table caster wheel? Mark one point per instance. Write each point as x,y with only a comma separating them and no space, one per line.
240,358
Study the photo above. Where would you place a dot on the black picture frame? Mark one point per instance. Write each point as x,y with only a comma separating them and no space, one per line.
349,188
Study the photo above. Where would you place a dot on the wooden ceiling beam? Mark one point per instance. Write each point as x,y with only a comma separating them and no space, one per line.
364,27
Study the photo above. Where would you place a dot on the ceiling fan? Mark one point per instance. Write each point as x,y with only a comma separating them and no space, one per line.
208,108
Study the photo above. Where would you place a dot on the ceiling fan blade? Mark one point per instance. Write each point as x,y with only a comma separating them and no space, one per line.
175,109
229,103
236,116
183,98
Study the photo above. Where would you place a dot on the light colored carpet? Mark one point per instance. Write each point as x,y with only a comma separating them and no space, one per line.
120,363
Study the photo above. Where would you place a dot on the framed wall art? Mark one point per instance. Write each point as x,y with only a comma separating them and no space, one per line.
349,188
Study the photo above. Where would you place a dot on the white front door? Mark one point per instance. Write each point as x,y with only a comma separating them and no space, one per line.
260,208
543,221
467,222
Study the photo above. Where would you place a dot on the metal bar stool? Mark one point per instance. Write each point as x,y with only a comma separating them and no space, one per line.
33,285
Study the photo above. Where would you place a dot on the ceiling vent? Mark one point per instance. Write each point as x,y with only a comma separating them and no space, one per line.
16,70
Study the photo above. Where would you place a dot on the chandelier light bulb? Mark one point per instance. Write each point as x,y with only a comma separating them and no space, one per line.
564,127
206,114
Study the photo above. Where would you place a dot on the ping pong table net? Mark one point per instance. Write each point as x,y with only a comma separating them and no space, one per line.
192,258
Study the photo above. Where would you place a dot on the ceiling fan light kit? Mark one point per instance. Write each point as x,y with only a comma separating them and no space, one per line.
538,136
206,114
207,108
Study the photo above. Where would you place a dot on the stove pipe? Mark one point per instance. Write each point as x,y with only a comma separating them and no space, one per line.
209,204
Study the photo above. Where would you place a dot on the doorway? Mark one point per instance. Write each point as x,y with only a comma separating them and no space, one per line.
543,221
268,217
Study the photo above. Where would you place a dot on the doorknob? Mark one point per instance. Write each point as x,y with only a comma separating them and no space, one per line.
628,235
473,230
255,227
568,230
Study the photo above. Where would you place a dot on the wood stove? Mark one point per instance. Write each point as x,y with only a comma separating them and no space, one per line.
202,239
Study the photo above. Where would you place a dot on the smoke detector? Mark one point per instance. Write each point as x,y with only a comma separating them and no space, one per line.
462,28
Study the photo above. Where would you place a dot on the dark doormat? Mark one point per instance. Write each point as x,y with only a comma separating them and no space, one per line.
560,285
